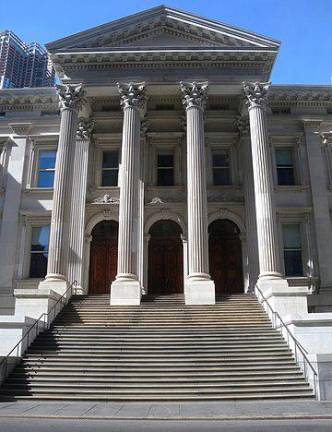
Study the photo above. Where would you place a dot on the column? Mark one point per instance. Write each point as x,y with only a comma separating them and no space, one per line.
71,98
267,237
199,288
80,177
249,201
13,170
126,290
320,203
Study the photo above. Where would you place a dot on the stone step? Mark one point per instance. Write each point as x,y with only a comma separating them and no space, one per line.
176,363
200,391
151,387
164,370
283,395
126,354
155,378
102,347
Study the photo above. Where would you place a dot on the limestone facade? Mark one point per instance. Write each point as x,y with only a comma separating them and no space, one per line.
241,149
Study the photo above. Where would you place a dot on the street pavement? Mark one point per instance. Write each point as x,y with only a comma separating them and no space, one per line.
259,416
66,425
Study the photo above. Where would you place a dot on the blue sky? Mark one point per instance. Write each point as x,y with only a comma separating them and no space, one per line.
303,26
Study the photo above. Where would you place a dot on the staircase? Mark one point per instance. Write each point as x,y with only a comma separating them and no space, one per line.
159,351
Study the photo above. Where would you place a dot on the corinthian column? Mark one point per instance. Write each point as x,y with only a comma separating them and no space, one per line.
80,176
199,288
268,248
70,101
126,290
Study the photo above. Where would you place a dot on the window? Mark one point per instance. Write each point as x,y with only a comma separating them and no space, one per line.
46,168
292,249
165,169
110,168
221,168
39,251
285,166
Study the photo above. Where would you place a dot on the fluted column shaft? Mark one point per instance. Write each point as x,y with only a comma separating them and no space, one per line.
198,257
70,102
80,174
131,99
268,248
249,199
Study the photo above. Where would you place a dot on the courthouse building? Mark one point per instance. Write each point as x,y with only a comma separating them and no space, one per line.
166,163
161,164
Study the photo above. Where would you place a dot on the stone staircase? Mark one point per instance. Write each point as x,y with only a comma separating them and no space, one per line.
159,351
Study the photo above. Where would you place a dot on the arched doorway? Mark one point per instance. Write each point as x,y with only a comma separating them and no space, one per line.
225,257
165,274
103,256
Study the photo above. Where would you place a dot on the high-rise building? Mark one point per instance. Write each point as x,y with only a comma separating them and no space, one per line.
23,65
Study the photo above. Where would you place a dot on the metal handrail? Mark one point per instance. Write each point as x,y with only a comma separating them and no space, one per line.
44,318
297,346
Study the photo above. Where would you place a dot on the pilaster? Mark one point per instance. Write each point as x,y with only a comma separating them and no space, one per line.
249,197
80,175
12,185
319,195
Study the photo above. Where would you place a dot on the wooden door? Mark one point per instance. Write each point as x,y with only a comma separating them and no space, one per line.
165,259
103,257
225,257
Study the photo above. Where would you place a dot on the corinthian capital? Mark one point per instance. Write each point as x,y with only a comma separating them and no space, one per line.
256,93
242,123
194,94
84,129
71,96
132,94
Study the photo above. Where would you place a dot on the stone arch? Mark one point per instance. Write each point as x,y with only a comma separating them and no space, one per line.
164,214
99,217
228,214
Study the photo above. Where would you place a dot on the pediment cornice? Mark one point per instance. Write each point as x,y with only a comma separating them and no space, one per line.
186,26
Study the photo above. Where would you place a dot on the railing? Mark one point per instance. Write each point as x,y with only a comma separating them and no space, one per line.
40,324
299,352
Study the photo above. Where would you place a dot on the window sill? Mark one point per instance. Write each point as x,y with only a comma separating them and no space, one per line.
38,190
291,188
105,188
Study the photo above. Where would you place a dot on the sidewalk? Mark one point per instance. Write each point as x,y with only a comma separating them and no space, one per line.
277,410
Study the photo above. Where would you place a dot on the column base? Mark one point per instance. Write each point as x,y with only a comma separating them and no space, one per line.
199,292
125,292
59,286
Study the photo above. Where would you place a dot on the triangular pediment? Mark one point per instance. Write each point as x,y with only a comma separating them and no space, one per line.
162,27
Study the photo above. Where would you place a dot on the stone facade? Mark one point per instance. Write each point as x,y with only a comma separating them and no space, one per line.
153,85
